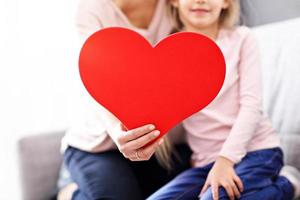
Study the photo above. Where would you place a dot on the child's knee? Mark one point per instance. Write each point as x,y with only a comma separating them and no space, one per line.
208,194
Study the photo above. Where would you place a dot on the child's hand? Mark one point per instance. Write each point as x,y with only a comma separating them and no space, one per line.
223,174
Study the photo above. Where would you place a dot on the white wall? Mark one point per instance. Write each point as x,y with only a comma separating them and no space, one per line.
38,59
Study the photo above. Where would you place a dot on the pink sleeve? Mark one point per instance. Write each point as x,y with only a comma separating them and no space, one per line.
250,111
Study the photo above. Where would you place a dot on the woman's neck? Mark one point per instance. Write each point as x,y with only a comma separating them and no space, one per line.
210,31
138,12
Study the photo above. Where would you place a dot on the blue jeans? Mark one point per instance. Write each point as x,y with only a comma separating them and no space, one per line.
108,175
258,171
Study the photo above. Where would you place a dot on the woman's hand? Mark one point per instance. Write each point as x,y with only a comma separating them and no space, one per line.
223,174
131,143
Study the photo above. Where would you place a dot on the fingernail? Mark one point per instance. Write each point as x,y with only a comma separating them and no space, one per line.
151,127
156,133
160,141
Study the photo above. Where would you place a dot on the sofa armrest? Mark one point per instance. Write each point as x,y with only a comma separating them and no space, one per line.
39,161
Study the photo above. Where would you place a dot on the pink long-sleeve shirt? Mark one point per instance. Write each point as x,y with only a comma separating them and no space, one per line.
231,125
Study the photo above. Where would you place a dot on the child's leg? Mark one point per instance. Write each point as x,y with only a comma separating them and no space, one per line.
259,173
186,185
281,189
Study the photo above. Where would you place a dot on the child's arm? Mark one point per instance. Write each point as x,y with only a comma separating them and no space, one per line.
250,111
234,148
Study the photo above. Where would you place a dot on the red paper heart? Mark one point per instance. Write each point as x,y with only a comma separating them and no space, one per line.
141,84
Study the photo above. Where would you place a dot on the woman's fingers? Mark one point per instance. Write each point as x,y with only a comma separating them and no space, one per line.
143,140
135,133
146,153
131,143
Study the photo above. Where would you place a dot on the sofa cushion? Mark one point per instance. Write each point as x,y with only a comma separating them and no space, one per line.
280,46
